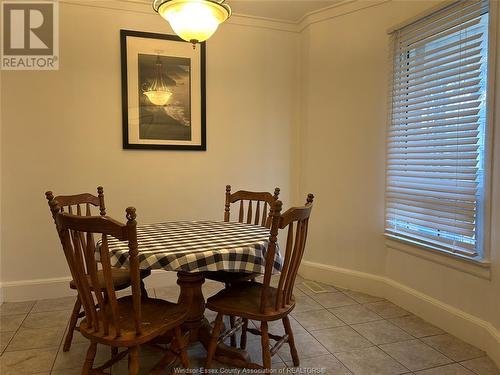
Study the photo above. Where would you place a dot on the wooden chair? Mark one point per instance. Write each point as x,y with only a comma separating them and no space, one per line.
263,209
80,204
262,216
127,322
260,301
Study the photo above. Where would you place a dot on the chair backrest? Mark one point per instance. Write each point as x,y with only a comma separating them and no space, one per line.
246,198
77,238
296,219
73,203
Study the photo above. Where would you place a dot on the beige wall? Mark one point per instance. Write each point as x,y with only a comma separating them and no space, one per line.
62,131
306,111
344,84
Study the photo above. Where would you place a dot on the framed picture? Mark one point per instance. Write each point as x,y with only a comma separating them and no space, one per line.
163,92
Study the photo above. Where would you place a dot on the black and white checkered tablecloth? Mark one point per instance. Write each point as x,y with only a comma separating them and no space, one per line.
196,246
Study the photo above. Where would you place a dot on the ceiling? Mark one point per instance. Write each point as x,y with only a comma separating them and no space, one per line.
287,10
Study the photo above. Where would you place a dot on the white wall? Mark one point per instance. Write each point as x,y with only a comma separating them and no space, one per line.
62,131
303,110
345,61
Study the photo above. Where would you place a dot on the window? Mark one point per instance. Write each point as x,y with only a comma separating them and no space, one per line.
436,138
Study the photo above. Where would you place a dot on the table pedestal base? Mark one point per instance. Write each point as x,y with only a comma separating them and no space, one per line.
191,297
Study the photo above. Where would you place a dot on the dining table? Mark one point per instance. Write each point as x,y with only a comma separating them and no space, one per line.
193,248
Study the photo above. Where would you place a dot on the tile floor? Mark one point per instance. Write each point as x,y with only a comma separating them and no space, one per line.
341,331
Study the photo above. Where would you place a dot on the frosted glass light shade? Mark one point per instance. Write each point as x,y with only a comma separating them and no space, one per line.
158,97
193,20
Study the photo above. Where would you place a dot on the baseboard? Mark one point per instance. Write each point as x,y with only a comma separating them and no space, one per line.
28,290
465,326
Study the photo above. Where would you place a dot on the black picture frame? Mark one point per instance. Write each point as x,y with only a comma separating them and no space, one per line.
127,144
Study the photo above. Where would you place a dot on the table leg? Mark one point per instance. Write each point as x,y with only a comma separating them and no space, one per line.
191,296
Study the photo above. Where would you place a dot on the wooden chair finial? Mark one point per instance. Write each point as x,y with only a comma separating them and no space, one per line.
50,198
131,215
276,192
310,198
227,204
100,195
49,195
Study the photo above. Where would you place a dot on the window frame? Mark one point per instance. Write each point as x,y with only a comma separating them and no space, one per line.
484,254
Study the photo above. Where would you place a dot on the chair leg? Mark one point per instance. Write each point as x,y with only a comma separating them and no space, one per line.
213,340
232,321
291,341
133,361
266,351
89,359
114,351
182,347
72,324
243,339
144,292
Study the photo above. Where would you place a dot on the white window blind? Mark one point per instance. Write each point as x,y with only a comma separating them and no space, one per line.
436,136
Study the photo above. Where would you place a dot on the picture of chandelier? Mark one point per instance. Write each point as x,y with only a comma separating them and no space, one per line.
158,92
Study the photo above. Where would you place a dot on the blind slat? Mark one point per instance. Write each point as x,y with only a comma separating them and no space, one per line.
435,169
448,141
437,175
447,134
459,149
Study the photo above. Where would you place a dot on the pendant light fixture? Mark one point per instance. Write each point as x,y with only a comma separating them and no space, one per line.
193,20
158,92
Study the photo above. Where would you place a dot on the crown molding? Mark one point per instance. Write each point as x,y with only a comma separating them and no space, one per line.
134,6
324,9
262,22
337,10
341,8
